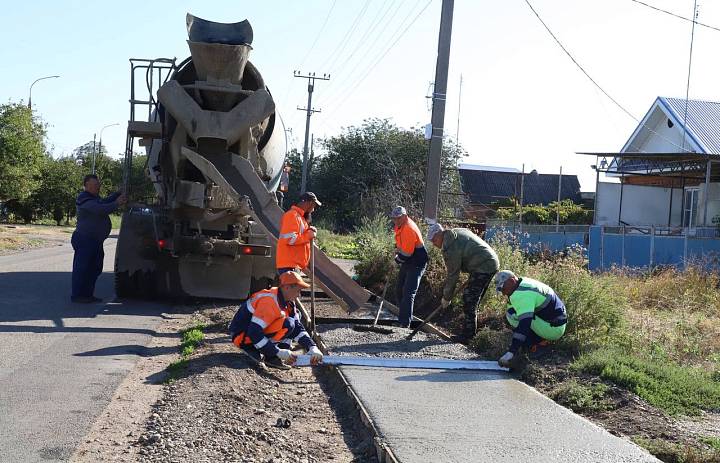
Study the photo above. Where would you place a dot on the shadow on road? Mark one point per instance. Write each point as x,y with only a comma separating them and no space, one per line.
45,296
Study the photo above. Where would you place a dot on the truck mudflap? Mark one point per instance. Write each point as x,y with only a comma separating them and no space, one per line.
235,174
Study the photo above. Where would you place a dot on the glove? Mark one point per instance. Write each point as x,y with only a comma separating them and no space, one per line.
315,355
286,356
398,260
444,303
505,360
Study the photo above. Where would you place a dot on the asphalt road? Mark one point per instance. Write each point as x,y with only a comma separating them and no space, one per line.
60,363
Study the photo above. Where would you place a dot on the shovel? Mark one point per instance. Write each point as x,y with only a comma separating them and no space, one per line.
374,328
425,322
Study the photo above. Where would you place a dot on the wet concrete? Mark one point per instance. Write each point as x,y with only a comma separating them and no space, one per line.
457,416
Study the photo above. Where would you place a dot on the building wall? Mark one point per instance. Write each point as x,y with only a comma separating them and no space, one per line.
641,205
713,204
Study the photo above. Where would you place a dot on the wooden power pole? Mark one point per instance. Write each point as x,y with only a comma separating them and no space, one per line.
432,181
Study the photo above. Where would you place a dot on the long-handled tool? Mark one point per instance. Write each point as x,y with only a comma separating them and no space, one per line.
312,286
425,322
374,328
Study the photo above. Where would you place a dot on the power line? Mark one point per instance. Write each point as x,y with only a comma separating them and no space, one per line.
687,88
374,65
598,85
332,57
676,15
317,37
368,49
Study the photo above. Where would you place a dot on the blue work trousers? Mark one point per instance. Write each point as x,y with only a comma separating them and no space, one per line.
87,264
407,286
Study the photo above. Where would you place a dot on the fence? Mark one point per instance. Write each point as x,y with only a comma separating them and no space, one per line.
652,246
551,238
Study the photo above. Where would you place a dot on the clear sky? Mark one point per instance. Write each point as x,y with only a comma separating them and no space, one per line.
523,100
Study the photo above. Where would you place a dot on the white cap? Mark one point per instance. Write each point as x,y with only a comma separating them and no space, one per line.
398,211
501,277
433,230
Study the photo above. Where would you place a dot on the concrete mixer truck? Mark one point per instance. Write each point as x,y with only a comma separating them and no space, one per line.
215,148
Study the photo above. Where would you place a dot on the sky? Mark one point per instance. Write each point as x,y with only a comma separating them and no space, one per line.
523,101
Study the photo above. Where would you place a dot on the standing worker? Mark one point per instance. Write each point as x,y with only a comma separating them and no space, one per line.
93,227
284,185
412,257
266,320
535,312
464,251
296,235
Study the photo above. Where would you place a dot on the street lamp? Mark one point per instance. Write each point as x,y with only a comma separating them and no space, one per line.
31,86
100,149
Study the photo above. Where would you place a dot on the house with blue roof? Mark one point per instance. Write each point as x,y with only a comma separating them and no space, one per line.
664,174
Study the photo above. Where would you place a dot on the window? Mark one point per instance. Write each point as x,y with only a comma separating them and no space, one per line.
690,207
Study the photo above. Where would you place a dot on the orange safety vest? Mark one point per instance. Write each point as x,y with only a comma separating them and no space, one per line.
408,238
293,246
266,312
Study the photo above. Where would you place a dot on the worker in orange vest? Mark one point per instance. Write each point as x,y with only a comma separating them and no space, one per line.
266,321
296,235
412,257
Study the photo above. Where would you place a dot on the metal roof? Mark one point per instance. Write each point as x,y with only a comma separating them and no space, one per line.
487,187
466,166
703,120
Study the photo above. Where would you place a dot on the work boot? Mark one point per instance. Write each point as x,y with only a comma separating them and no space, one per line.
275,362
253,355
539,350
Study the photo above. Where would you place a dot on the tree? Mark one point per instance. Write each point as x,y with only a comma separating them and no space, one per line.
369,169
60,185
22,151
108,170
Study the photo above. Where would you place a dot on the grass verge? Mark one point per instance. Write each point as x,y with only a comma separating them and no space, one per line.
338,246
678,390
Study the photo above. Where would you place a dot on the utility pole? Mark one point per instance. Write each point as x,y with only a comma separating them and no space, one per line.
457,129
93,154
432,181
309,109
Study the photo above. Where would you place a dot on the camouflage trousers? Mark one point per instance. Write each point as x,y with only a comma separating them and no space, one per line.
473,293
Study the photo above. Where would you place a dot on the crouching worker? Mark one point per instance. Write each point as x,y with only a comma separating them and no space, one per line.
536,314
267,319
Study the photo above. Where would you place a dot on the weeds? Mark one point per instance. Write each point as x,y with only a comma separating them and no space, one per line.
339,246
670,452
673,388
583,398
191,338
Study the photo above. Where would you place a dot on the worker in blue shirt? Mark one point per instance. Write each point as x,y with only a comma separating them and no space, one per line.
536,314
93,227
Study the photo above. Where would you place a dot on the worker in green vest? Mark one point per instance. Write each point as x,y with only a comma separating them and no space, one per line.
536,314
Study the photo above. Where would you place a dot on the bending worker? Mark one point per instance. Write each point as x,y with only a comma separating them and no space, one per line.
267,318
296,235
536,314
464,251
412,257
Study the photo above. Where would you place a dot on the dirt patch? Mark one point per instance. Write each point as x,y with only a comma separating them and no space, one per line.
219,408
19,238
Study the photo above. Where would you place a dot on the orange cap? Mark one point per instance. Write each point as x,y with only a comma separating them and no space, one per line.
292,278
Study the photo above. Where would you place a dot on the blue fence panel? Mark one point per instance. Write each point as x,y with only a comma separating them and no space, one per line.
669,250
594,245
611,250
705,251
553,241
637,250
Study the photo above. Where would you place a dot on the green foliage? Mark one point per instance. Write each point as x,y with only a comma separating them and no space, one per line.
61,182
335,245
371,168
673,388
671,452
537,214
583,398
22,151
191,338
